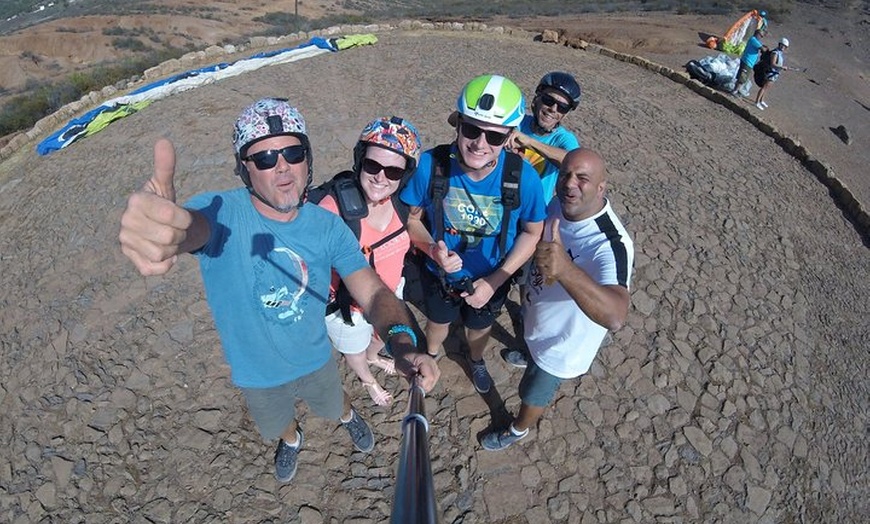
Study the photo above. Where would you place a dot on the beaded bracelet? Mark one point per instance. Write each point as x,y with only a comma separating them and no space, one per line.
395,329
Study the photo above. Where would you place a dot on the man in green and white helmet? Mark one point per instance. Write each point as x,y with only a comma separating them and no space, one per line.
484,208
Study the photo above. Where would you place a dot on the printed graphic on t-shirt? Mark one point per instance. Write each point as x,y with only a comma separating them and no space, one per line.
280,282
479,214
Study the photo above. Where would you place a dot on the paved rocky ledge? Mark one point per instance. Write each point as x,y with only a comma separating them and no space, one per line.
736,392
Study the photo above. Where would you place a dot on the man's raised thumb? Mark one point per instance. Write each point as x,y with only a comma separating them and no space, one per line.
555,236
442,247
162,182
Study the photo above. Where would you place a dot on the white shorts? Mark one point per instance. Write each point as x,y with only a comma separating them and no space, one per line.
347,339
350,340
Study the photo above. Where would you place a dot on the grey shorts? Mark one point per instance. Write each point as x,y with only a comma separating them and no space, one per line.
273,409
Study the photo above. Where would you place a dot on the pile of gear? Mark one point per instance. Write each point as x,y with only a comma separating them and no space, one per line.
717,71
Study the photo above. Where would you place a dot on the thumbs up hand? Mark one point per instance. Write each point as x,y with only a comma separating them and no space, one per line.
550,256
450,261
162,183
153,227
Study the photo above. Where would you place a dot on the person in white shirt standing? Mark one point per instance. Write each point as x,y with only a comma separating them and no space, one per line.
577,289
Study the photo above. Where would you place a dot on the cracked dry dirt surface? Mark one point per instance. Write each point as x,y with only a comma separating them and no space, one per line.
737,391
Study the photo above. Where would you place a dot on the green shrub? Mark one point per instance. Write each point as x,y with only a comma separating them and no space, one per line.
130,44
285,23
117,31
42,99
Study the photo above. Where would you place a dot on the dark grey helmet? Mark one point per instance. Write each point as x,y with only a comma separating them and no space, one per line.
564,83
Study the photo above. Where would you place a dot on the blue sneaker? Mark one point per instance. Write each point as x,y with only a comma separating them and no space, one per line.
360,432
515,357
285,458
480,376
497,440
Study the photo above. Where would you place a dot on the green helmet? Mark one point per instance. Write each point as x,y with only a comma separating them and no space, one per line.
492,99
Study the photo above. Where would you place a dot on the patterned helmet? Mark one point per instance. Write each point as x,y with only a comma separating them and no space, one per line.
562,82
266,118
263,119
394,134
492,99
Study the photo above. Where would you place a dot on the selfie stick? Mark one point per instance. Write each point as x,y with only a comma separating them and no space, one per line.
414,497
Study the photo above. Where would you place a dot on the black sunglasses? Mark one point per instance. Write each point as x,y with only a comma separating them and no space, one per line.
269,158
471,132
373,167
548,101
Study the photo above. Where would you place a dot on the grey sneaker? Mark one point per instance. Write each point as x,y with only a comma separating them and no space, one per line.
515,357
285,458
360,432
497,440
480,376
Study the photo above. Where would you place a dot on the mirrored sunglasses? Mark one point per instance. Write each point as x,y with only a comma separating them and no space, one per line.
471,132
373,167
269,158
548,101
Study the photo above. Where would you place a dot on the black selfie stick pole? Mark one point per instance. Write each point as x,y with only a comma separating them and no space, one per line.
414,497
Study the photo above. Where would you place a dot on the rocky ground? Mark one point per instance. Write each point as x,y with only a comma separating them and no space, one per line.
736,392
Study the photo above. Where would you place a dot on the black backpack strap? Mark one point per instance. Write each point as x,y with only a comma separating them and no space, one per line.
369,251
510,195
439,183
402,209
343,181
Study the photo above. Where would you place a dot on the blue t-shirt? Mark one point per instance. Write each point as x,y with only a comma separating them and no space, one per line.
267,285
559,137
750,52
475,206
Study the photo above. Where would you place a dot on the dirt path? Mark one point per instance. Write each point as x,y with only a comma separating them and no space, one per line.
736,392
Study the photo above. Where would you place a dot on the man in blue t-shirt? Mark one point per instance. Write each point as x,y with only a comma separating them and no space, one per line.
266,258
469,270
748,59
541,138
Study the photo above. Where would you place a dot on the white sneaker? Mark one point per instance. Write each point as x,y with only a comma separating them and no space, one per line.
759,106
764,104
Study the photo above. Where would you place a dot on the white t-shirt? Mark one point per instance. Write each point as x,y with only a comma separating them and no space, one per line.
562,340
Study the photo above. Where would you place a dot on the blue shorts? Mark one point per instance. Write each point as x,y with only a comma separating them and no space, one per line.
538,388
273,409
445,306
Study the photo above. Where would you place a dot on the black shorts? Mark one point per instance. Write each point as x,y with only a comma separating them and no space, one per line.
443,306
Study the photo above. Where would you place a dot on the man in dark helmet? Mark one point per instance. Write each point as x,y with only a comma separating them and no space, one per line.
541,138
266,257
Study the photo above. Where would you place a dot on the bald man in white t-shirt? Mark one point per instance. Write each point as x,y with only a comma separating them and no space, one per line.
577,289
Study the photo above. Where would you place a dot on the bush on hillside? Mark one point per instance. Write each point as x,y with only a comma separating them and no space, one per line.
42,99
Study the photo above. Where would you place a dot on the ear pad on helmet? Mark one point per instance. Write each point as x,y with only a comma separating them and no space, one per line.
242,171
